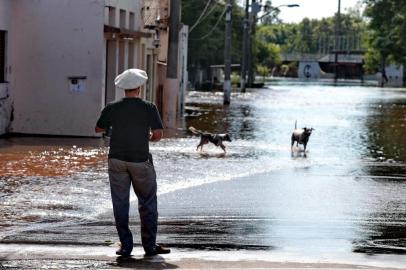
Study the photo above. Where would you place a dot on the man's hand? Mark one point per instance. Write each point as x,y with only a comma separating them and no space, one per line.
99,130
156,135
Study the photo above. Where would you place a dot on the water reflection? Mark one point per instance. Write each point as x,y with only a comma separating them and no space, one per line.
359,137
385,173
49,180
386,123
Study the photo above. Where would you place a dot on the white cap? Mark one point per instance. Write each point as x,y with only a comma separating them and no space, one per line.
131,79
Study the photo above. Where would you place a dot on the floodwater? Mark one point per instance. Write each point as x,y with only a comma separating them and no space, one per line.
346,193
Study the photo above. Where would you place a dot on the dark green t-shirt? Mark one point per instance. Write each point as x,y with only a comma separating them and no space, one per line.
131,120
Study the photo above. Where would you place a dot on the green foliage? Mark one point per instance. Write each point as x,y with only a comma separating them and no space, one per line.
263,71
383,35
203,50
267,54
388,32
308,35
271,15
235,78
372,60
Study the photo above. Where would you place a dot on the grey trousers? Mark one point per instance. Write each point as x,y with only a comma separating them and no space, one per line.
142,176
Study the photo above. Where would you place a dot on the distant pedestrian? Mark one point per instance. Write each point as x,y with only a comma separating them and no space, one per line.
133,122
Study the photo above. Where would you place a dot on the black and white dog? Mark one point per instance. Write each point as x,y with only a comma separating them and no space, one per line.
301,136
205,138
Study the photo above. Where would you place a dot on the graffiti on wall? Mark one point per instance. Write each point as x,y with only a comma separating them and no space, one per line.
309,70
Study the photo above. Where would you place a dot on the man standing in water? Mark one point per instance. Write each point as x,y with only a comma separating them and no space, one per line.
134,122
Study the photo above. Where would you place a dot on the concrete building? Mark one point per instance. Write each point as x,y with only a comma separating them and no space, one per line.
170,91
5,101
61,58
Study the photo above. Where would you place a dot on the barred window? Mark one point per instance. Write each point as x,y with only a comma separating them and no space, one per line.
2,56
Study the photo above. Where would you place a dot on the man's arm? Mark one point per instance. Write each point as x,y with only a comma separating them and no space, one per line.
104,122
155,125
156,135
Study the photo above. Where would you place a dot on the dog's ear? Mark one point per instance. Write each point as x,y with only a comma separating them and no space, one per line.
307,130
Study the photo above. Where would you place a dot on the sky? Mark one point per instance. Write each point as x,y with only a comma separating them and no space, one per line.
313,9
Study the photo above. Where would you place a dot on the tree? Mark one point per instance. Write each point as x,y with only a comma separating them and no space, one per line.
206,40
271,15
388,33
312,36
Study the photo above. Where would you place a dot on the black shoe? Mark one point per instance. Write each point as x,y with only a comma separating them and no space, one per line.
157,250
124,252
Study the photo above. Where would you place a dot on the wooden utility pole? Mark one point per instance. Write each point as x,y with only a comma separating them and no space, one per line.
227,55
337,38
174,26
171,88
245,47
255,8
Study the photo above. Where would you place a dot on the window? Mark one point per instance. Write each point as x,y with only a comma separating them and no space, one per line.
123,18
2,56
132,21
112,16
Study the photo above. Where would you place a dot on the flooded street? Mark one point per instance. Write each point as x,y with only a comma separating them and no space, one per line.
347,194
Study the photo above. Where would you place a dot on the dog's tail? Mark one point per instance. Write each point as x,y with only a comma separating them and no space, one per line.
195,131
296,124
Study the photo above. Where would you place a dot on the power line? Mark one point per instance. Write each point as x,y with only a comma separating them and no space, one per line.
214,27
200,17
210,11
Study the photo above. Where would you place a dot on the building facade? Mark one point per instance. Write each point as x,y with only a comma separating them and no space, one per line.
61,58
5,101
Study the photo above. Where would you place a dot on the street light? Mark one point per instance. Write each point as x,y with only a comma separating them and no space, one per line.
250,25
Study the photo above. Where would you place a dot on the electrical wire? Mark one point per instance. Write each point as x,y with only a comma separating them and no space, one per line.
200,17
214,27
210,11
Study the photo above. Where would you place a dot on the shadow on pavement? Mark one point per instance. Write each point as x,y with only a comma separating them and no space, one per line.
143,263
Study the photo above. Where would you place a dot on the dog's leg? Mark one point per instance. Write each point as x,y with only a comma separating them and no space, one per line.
203,142
200,144
223,147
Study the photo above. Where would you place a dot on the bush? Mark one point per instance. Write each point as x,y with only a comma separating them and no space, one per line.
263,71
235,78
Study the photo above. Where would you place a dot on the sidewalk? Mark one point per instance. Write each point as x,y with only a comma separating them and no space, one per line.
28,256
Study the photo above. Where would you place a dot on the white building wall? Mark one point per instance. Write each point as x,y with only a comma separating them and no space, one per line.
5,100
128,6
5,14
309,70
51,41
394,74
